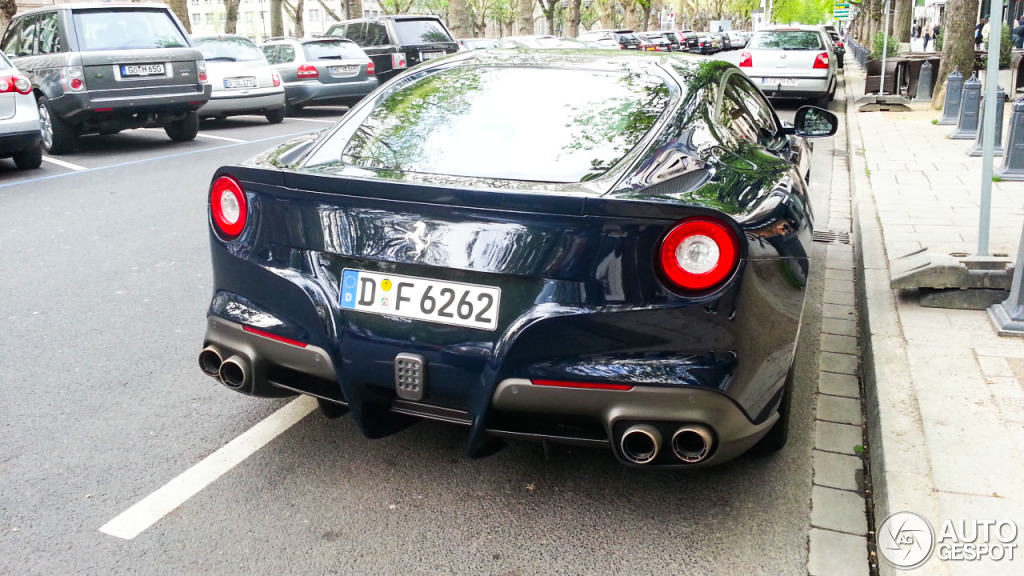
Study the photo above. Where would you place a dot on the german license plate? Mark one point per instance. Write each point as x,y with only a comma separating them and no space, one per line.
243,82
777,81
347,69
142,69
427,299
430,55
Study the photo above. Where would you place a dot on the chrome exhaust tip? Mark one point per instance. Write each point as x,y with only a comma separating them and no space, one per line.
640,443
210,361
692,443
234,372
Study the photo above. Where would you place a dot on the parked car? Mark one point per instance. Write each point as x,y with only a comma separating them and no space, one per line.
689,41
479,43
320,71
724,40
737,38
654,42
708,43
674,41
625,39
837,45
634,280
542,41
102,68
19,118
792,62
395,43
242,80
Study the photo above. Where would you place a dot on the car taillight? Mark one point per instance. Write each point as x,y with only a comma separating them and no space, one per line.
275,78
201,69
73,77
370,70
746,60
622,46
307,71
398,61
228,207
18,84
699,253
821,61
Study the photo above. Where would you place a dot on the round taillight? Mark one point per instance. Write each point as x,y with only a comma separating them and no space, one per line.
228,206
22,85
76,84
202,76
699,253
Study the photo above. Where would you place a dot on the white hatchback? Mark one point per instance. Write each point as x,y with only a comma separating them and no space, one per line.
243,82
19,118
792,62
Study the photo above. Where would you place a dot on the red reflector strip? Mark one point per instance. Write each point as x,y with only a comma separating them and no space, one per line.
592,385
258,332
103,109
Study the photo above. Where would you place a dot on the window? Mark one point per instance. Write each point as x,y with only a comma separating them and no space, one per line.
49,34
12,39
376,34
27,46
354,32
321,49
424,31
271,52
466,122
286,53
123,29
787,40
745,112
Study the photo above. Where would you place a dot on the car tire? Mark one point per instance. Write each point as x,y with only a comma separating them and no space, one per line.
29,159
832,93
777,437
820,101
275,116
185,129
58,137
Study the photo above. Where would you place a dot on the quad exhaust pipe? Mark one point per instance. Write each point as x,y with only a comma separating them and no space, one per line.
692,443
640,443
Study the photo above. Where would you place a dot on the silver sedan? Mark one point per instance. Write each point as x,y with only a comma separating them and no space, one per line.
19,118
792,62
243,82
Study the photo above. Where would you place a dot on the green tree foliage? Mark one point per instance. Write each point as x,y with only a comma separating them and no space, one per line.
1005,46
892,49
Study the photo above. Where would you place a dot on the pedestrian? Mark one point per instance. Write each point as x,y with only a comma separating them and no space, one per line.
927,36
979,33
1018,36
916,31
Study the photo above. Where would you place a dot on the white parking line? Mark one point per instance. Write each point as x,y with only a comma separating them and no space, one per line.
68,165
204,135
152,508
292,118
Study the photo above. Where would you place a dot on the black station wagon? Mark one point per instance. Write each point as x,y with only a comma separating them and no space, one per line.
623,264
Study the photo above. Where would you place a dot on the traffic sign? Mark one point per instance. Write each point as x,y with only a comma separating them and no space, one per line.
842,5
841,13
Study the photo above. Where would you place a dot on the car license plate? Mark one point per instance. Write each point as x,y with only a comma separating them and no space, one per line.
243,82
347,69
142,69
427,299
777,81
430,55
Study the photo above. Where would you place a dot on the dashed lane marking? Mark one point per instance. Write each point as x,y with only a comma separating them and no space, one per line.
152,508
67,165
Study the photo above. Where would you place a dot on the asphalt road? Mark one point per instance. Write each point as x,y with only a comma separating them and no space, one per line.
104,283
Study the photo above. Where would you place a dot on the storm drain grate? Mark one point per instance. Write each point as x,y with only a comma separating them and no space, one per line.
831,237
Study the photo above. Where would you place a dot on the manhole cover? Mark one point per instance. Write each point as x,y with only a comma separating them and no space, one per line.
831,237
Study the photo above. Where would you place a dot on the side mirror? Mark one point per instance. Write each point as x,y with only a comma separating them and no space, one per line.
814,122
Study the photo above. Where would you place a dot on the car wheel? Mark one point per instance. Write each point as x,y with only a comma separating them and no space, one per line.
832,94
777,437
275,116
185,129
29,159
58,137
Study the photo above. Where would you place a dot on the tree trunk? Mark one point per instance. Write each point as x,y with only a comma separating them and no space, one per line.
525,17
458,19
334,15
574,18
276,18
606,9
629,19
231,16
180,9
300,18
957,45
902,19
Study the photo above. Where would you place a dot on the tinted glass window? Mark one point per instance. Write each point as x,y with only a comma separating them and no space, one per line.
332,49
271,53
745,112
468,121
12,36
285,53
26,44
354,32
126,30
786,40
49,34
376,34
421,32
228,49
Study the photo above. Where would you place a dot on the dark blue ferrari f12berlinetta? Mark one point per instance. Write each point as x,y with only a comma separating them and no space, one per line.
589,247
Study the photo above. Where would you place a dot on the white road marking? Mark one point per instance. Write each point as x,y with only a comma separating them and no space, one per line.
68,165
152,508
204,135
313,120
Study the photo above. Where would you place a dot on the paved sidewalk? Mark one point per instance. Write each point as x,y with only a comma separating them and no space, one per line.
945,402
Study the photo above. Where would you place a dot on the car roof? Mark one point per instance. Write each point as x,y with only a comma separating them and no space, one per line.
94,5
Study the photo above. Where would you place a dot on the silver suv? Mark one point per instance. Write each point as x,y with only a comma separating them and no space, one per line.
102,68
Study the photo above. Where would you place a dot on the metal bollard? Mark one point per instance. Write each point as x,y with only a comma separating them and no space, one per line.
970,104
978,148
1008,315
1013,159
924,84
951,105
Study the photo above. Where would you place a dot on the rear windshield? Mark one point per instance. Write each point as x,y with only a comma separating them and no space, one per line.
468,121
114,29
786,40
421,32
228,49
333,50
629,38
